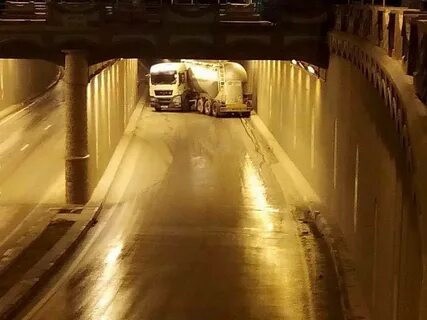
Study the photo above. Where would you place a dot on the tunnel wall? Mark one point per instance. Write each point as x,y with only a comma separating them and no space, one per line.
339,136
112,96
23,79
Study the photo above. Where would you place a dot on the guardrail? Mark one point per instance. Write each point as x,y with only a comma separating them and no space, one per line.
401,31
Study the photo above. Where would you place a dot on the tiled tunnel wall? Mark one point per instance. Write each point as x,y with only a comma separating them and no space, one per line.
112,96
339,136
23,79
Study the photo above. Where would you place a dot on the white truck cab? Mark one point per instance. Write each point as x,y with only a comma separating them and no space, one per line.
169,86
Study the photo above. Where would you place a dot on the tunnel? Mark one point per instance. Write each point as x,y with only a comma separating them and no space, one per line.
309,206
346,161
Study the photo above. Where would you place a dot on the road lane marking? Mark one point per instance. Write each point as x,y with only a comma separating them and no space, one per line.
7,119
4,260
47,127
31,213
8,252
25,147
20,239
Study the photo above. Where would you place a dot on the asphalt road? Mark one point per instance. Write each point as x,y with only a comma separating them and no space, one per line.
31,160
195,226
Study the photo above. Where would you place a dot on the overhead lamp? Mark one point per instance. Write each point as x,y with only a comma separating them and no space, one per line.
294,62
311,70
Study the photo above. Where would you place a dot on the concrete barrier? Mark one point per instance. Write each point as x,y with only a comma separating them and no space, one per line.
112,96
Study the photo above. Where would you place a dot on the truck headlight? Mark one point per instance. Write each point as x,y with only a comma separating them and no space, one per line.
176,100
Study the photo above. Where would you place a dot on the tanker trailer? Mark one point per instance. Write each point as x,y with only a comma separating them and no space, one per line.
218,87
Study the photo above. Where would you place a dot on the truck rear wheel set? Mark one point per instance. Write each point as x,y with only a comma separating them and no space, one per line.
215,110
212,108
208,107
200,106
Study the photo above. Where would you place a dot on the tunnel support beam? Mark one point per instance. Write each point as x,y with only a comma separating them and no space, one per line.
76,140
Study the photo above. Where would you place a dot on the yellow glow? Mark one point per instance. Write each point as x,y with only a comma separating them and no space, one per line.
2,77
114,253
257,195
205,73
96,106
273,269
108,283
107,81
105,299
165,67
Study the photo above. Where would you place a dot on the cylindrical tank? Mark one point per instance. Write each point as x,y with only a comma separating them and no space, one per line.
204,77
236,72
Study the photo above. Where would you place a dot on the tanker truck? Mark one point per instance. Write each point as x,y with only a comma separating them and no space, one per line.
211,87
169,87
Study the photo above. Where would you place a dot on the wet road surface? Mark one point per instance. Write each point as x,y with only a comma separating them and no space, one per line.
195,226
31,161
31,147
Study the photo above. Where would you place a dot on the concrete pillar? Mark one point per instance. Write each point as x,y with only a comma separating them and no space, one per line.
76,141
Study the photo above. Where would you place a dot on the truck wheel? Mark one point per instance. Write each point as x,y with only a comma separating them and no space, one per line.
158,109
208,107
200,106
215,110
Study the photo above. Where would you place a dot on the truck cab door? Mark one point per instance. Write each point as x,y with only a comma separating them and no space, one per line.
182,82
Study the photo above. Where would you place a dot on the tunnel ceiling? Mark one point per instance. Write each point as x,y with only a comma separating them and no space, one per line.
286,30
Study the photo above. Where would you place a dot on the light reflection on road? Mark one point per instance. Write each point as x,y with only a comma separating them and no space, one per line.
257,195
108,282
211,239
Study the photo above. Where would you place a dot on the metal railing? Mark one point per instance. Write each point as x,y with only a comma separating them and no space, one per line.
400,31
23,10
38,11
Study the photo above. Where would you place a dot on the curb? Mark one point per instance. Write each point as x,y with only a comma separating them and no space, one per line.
352,304
35,278
22,292
18,106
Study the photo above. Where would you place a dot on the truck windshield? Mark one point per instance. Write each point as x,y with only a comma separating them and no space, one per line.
163,78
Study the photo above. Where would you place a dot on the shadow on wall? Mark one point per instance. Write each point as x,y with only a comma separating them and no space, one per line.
339,135
23,79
